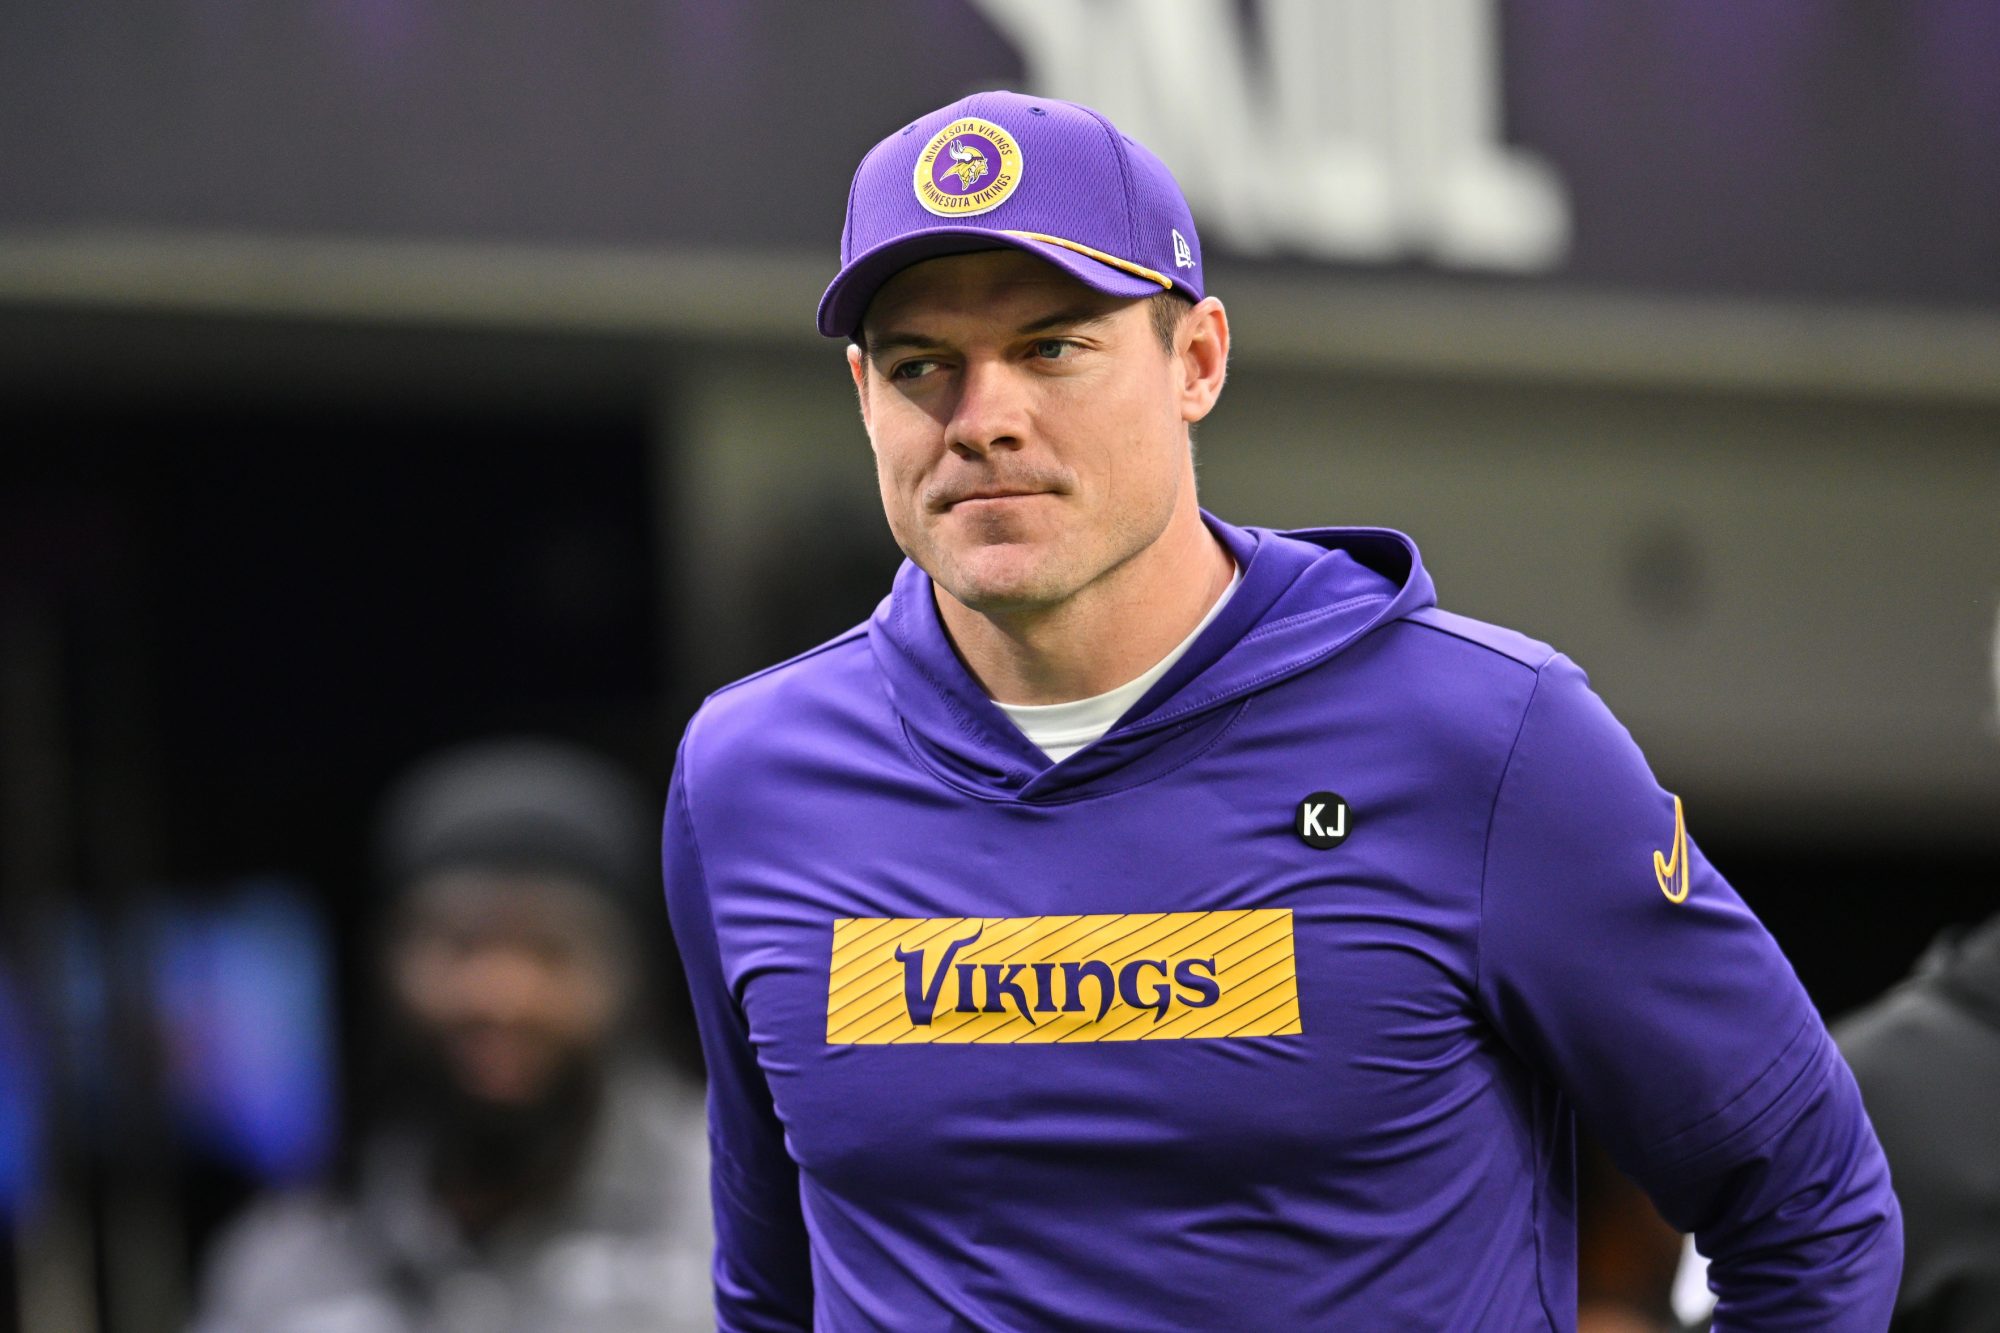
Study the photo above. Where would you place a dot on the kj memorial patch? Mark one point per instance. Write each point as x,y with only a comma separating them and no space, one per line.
1135,976
969,166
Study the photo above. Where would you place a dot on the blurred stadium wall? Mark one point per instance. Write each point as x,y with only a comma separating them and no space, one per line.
383,373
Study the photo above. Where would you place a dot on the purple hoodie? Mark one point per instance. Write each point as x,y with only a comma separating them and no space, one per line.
1274,1008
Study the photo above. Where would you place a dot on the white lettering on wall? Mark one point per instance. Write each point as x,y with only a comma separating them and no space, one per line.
1338,129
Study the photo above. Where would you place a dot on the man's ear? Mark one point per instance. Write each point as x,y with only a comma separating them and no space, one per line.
1201,357
857,366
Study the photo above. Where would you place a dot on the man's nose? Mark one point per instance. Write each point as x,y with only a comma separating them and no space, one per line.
991,410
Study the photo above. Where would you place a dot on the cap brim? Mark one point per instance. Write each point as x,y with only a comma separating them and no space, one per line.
847,297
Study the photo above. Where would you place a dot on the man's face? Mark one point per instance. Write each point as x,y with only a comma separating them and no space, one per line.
510,980
1028,431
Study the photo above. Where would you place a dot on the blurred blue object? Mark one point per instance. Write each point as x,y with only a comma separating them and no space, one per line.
244,1003
20,1107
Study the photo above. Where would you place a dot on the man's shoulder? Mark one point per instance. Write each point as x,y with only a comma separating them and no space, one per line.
1443,669
789,696
1931,1019
657,1108
816,667
1456,688
297,1250
298,1220
1475,643
649,1160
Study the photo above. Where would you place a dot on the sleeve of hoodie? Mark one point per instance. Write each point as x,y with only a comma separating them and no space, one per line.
763,1276
1676,1028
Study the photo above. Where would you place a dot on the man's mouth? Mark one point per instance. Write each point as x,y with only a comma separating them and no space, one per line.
994,495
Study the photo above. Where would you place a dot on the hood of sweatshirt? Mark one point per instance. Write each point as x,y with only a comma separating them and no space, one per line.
1305,596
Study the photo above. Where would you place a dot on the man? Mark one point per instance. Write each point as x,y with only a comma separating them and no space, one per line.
1927,1056
1145,922
532,1171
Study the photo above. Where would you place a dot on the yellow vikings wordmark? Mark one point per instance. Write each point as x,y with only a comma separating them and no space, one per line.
1129,976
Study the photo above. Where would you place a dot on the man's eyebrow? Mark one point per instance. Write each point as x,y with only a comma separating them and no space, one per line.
1074,317
1070,317
878,343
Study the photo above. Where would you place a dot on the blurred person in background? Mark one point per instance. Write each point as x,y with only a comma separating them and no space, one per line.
529,1168
1927,1055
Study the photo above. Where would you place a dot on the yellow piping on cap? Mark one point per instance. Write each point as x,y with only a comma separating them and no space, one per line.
1138,270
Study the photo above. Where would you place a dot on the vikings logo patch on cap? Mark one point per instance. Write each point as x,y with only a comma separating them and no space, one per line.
969,166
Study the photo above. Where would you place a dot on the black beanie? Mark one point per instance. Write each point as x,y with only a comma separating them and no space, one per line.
517,805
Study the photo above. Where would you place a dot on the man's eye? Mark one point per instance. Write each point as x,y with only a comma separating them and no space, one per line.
910,370
1054,349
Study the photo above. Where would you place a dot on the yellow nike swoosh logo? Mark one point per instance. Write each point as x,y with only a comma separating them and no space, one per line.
1672,871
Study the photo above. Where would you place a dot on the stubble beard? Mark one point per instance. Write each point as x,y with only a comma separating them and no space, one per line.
1041,574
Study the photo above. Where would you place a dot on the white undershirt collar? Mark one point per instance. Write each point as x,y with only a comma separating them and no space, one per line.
1060,730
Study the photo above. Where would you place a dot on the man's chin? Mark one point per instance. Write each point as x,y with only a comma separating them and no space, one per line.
503,1088
482,1067
503,1095
1000,582
489,1101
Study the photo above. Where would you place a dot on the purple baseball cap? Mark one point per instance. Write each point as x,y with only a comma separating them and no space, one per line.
1002,169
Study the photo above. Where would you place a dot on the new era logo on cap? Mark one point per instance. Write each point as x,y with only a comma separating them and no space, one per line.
1032,173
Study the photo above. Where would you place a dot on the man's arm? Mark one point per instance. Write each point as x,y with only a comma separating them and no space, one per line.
763,1276
1617,963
